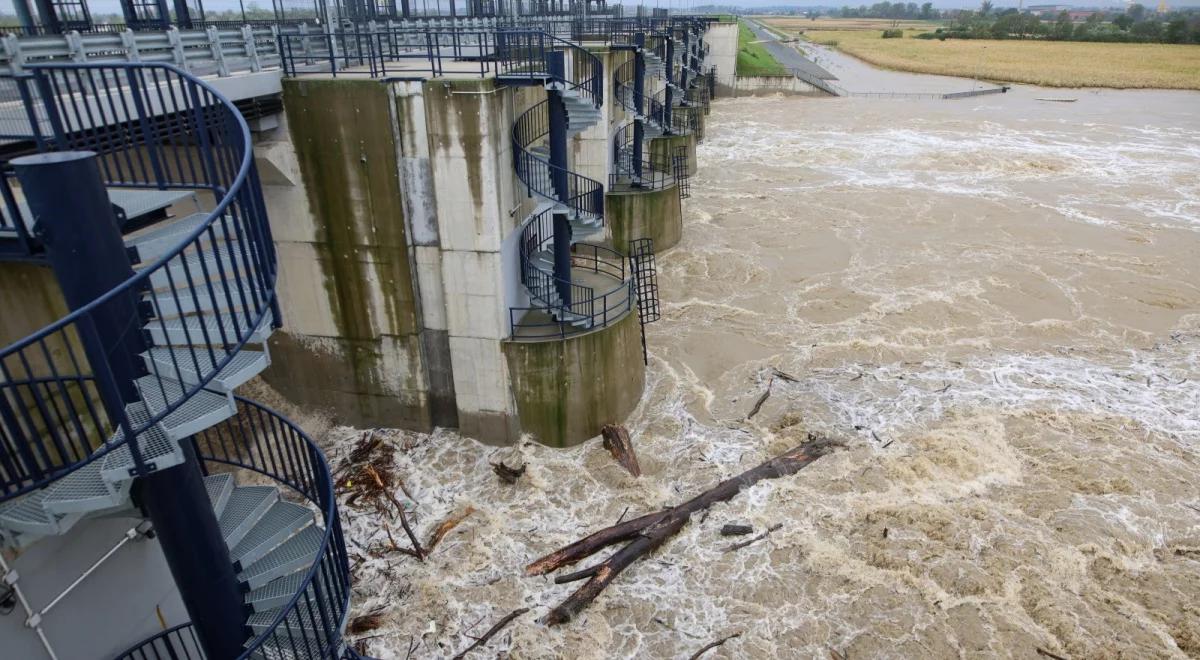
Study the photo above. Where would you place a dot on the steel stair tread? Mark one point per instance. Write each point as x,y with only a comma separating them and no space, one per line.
27,515
83,490
278,524
195,413
277,592
304,619
153,243
246,505
285,648
292,555
202,298
219,488
192,366
224,262
154,445
190,330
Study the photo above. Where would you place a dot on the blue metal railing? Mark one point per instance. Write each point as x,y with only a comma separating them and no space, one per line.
587,310
155,126
583,195
653,176
310,624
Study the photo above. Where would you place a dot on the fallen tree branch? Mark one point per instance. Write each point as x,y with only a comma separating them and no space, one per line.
491,632
713,645
648,532
444,528
739,546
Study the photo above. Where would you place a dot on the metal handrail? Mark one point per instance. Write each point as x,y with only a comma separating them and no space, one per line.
583,194
142,106
262,440
653,175
596,310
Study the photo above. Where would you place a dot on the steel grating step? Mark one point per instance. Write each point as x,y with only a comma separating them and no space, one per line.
190,300
85,490
246,506
296,648
277,525
191,330
199,411
294,554
224,262
136,202
220,488
279,591
305,620
155,446
192,365
26,515
154,243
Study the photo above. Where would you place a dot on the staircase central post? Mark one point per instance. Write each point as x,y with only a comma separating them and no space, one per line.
87,253
639,101
668,97
556,66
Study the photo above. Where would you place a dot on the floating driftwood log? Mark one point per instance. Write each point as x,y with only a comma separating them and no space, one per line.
617,442
644,534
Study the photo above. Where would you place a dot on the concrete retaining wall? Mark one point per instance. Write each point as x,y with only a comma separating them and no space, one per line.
567,390
654,214
722,39
662,149
351,340
769,85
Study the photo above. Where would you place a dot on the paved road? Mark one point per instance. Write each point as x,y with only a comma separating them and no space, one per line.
788,56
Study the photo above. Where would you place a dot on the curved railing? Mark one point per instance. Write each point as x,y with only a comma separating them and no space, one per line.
583,195
529,54
653,109
587,309
153,126
652,175
310,625
673,123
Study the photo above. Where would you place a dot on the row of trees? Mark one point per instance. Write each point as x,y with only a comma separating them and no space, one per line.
895,10
1136,24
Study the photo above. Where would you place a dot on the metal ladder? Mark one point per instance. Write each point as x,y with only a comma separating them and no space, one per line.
645,282
679,167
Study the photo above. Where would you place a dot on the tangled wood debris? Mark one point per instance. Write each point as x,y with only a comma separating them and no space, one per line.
368,476
646,533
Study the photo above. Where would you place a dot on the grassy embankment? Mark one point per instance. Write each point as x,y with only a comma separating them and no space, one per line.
753,59
1048,63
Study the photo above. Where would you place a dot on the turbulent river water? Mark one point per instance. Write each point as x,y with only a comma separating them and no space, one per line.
993,302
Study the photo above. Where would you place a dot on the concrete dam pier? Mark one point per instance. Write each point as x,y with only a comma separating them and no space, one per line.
418,278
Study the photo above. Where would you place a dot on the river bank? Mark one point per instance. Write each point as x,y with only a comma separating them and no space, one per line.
1043,63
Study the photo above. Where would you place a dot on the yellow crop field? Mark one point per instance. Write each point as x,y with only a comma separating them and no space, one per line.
1049,63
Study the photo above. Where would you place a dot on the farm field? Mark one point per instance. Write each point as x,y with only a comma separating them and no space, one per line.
1047,63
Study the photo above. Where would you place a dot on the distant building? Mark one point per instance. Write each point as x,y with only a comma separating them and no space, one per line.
1079,16
1045,11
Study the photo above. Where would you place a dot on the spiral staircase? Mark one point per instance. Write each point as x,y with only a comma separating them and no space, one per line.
573,76
76,436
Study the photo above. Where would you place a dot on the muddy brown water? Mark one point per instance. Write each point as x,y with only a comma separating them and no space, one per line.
993,302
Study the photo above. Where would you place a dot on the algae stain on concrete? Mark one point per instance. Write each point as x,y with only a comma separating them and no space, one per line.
456,120
342,131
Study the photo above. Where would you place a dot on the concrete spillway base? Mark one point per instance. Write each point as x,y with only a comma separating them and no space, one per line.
566,390
663,148
633,213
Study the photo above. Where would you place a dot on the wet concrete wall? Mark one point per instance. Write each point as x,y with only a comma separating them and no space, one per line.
567,390
722,39
656,214
768,85
352,334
